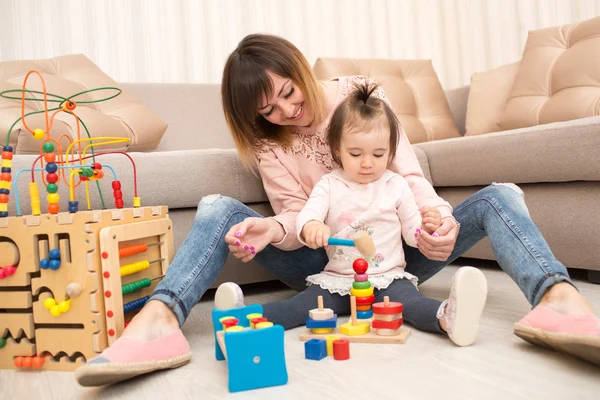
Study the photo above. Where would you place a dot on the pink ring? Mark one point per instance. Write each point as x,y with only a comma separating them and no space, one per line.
361,277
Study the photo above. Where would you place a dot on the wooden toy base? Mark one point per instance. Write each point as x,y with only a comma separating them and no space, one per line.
370,337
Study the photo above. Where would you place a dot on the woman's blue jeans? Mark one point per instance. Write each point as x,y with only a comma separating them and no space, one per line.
496,211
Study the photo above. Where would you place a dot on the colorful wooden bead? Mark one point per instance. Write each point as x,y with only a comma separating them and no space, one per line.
3,198
64,306
5,176
54,254
51,167
18,361
7,155
2,342
361,278
4,169
49,303
6,164
44,263
341,350
73,290
52,188
68,105
49,157
38,134
26,362
55,311
48,147
53,208
73,206
9,270
54,265
52,178
360,266
38,361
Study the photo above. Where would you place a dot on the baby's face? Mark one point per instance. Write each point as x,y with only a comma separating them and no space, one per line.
365,155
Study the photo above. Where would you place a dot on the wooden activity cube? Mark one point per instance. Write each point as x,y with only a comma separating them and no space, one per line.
89,243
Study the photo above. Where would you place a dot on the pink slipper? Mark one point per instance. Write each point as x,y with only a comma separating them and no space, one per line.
128,358
577,335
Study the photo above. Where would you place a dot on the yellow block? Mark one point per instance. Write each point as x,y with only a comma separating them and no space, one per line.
6,163
330,339
236,328
4,185
321,331
266,324
361,328
361,292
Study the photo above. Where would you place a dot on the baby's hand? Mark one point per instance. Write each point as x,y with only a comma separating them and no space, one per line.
315,234
431,219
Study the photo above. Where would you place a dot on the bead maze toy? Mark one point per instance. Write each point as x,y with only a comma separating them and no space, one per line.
385,318
71,280
252,346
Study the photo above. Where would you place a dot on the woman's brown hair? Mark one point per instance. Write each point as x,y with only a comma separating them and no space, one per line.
246,81
361,110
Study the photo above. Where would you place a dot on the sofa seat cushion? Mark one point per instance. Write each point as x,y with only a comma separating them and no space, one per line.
558,152
123,116
558,78
411,86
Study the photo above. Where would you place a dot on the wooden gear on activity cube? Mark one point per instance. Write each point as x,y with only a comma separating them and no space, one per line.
252,346
71,279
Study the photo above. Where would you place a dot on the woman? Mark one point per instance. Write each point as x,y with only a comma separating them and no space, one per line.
277,113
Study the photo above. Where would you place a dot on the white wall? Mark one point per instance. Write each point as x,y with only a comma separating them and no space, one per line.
189,40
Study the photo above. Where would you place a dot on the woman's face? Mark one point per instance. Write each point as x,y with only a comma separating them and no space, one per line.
286,105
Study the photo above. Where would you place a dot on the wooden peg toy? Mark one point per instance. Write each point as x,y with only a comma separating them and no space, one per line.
321,320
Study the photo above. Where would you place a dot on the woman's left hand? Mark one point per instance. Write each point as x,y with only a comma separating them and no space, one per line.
440,244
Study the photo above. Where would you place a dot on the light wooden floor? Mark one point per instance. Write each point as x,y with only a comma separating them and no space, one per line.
498,366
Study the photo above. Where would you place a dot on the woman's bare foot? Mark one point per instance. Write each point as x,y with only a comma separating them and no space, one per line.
153,321
565,299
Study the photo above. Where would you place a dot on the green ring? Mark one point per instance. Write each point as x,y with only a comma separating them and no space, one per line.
361,285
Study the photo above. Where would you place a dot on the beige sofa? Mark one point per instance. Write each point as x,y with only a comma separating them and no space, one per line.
557,165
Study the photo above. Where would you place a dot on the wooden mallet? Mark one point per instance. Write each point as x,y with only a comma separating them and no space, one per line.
361,240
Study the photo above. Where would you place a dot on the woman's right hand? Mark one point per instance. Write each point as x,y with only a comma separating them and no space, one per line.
315,234
251,236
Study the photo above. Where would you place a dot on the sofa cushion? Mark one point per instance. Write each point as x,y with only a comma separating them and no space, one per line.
487,99
123,116
558,152
412,88
559,76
